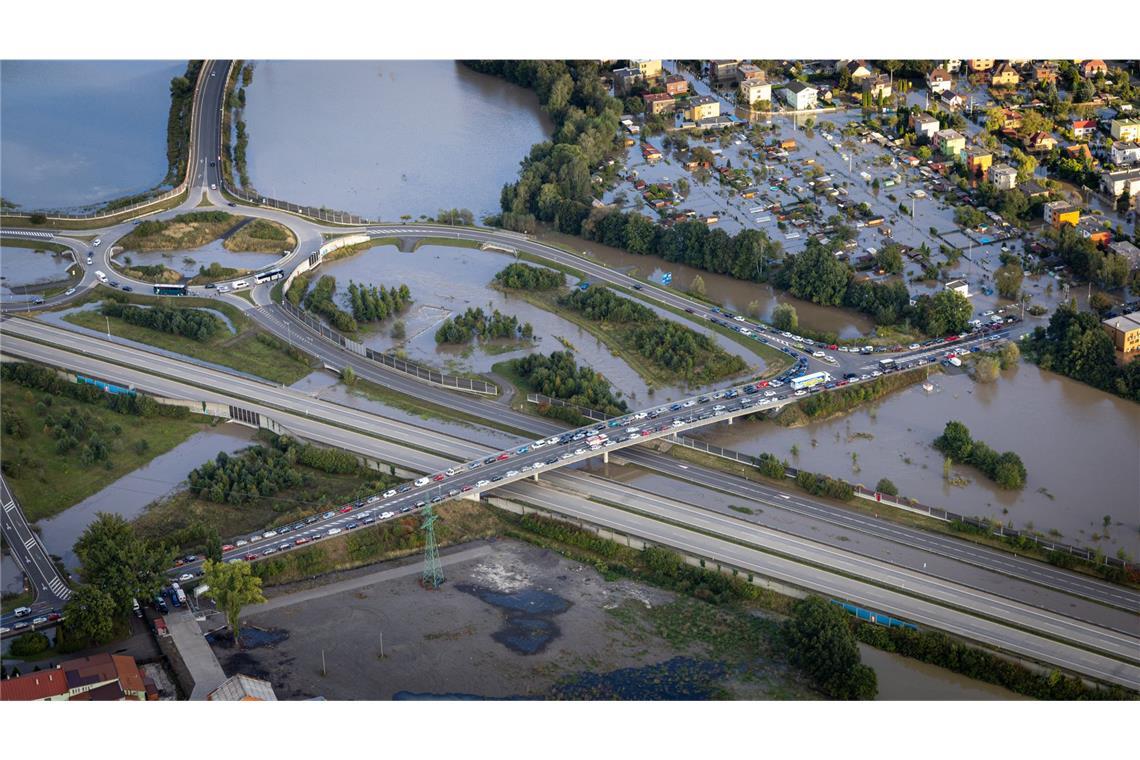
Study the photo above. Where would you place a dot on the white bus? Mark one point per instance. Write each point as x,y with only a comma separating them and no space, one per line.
810,381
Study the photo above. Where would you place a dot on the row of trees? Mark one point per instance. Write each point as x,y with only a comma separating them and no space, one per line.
189,323
475,322
256,472
559,376
554,183
1075,344
525,277
820,642
1107,269
319,300
1005,469
375,304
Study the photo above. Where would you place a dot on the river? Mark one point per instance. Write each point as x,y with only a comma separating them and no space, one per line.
83,132
901,678
129,495
1034,413
387,138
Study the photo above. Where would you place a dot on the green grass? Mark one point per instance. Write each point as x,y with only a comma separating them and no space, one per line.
177,235
244,351
453,242
12,601
52,482
428,410
262,236
94,224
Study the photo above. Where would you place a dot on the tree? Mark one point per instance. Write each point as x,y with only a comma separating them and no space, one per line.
348,375
955,441
232,586
947,312
1009,355
114,560
817,276
821,643
1100,303
697,286
30,644
1009,278
214,546
986,369
889,258
399,330
90,614
886,486
785,318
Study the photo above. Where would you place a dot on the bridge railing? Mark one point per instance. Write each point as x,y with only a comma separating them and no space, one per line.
331,216
590,414
426,374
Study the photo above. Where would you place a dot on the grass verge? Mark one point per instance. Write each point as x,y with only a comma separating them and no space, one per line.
261,236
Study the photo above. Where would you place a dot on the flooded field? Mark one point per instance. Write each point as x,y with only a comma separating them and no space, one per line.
903,678
1029,411
387,138
11,577
83,132
23,267
188,262
130,494
468,274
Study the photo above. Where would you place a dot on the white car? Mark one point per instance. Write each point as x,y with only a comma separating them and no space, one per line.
689,403
186,577
677,423
913,347
69,291
718,408
876,373
567,455
641,415
89,260
738,318
801,392
97,242
538,444
512,473
389,493
386,515
223,288
483,483
267,552
333,531
451,471
242,542
819,354
421,482
269,534
552,440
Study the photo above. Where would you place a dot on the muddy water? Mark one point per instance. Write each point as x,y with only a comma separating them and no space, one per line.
901,678
388,138
130,494
188,262
733,294
445,280
1037,414
25,266
11,577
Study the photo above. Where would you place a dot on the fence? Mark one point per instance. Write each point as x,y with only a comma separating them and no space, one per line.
912,505
330,216
412,369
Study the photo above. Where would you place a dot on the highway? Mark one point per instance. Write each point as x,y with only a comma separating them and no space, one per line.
28,551
934,582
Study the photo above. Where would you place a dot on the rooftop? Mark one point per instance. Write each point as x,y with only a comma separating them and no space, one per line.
1125,322
797,87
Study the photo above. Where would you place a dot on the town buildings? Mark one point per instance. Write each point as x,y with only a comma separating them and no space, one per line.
800,96
98,678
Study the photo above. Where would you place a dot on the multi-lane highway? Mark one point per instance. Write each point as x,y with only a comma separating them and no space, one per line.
26,548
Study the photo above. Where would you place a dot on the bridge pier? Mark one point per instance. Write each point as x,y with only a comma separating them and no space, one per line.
731,420
605,457
535,476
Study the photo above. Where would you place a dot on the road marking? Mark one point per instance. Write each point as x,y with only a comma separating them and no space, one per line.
29,544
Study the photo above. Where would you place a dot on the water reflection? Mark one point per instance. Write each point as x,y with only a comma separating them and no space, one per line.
188,262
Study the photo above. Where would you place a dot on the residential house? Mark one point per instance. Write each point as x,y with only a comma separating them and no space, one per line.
800,96
1116,183
1034,189
959,286
649,152
1091,68
952,100
702,107
978,65
924,125
939,80
1083,128
857,70
650,68
753,91
1125,153
658,102
950,141
1125,130
675,85
749,71
1003,177
100,677
1040,142
625,79
878,86
1092,230
1011,120
1125,333
723,70
953,65
1127,250
978,161
1005,76
1045,73
1079,151
1061,212
243,688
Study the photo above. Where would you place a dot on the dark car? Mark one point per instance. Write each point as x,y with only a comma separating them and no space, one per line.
211,285
496,479
231,204
128,288
637,287
114,283
311,520
490,460
404,488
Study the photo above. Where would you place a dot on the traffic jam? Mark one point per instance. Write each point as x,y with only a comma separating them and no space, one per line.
499,468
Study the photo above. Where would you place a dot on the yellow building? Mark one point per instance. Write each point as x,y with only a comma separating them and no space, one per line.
1061,212
978,162
703,107
980,64
1125,130
1005,76
650,67
1125,333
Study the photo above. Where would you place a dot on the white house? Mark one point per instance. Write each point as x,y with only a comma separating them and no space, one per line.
1003,177
939,80
1115,183
926,126
800,96
1124,153
959,286
753,90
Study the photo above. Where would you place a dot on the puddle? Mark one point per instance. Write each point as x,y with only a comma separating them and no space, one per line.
528,626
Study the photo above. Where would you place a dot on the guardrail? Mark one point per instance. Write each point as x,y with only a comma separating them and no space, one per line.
412,369
330,216
913,505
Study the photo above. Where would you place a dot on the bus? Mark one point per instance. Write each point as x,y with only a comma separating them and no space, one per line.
270,276
810,381
170,290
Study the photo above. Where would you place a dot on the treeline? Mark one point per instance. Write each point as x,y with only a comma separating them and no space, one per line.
319,300
475,322
524,277
252,474
558,376
555,183
44,379
189,323
821,643
939,649
822,485
375,304
1005,469
666,343
1076,345
178,122
822,405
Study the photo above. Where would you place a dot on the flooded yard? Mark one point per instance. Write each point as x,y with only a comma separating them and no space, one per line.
25,268
188,263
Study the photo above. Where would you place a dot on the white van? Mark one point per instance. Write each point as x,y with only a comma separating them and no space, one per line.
239,285
102,277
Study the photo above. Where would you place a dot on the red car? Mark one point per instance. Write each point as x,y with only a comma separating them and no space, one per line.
228,548
833,346
467,487
438,476
346,509
53,616
763,383
301,540
251,557
503,456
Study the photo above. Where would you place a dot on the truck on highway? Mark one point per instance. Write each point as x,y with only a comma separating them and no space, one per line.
810,381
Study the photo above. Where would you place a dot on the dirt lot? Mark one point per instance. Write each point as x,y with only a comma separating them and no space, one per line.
512,620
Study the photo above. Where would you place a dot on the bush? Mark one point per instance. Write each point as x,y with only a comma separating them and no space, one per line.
475,322
30,644
1006,469
320,301
771,467
524,277
822,485
375,304
558,376
822,645
885,486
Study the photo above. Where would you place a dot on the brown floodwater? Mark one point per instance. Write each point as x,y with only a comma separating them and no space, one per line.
901,678
1080,446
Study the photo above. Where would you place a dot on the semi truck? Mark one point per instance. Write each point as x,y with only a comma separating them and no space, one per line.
809,381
